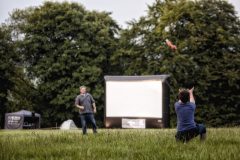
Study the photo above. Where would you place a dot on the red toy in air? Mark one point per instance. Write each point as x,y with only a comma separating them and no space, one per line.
171,45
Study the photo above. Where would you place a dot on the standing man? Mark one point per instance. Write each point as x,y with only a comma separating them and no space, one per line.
87,108
186,126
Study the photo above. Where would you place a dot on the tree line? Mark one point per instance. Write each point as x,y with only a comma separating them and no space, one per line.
48,51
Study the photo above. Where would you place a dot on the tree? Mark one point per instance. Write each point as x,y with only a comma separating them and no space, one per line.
207,34
65,46
16,91
7,59
23,94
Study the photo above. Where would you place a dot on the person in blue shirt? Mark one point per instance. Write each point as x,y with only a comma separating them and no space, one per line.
185,108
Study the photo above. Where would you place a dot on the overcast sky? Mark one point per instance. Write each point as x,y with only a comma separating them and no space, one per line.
122,10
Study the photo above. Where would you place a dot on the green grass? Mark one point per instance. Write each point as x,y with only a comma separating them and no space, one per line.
221,144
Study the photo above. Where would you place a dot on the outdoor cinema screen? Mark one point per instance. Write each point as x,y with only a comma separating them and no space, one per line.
135,97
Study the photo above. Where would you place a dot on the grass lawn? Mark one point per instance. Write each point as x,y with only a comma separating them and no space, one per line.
221,144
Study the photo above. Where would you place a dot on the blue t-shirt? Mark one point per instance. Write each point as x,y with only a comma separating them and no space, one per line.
185,115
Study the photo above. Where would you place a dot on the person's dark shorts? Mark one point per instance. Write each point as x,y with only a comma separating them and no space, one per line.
187,135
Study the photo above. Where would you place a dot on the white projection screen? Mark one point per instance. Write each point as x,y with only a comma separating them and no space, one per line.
136,101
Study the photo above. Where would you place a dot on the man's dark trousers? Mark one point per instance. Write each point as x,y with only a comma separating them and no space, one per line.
88,118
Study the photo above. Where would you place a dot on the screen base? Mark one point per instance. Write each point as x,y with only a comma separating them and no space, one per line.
116,122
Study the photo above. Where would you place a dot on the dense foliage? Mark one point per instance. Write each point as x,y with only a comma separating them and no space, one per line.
207,35
63,47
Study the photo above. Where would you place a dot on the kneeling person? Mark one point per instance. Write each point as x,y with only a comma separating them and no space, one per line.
186,126
87,108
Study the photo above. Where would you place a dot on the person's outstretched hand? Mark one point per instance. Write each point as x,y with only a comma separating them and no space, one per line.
191,90
180,90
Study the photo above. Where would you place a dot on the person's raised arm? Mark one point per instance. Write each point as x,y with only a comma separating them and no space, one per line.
191,95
